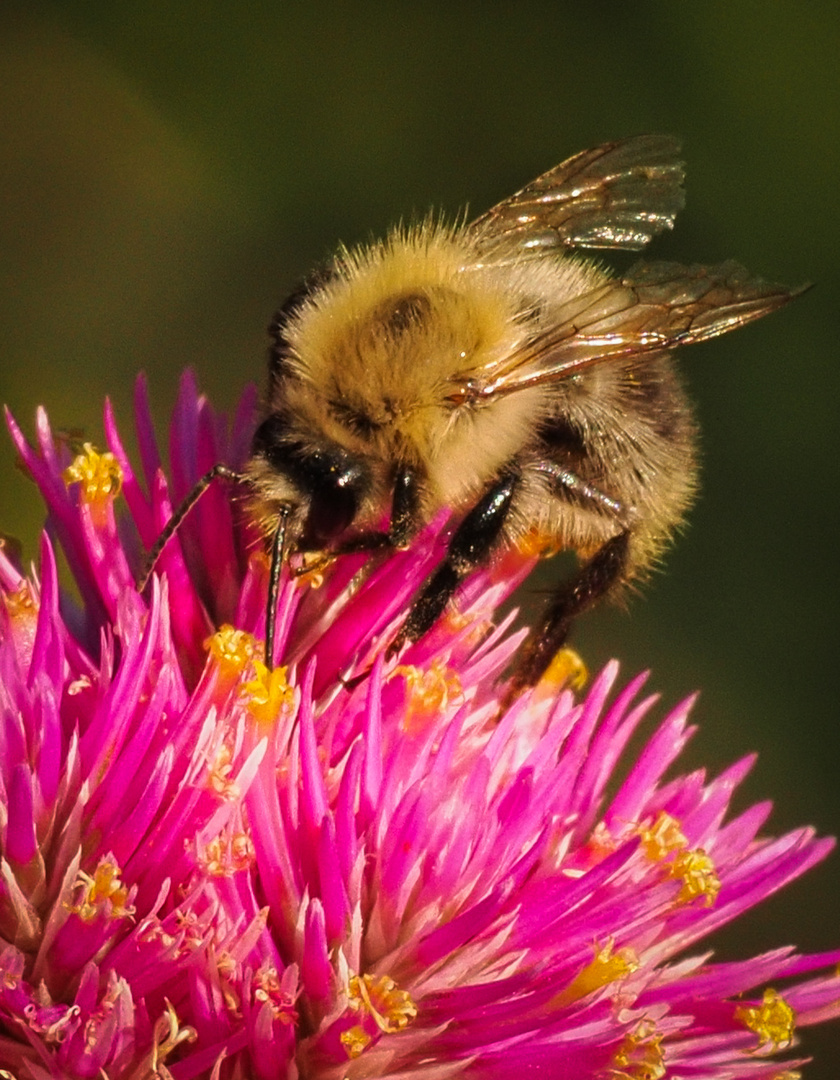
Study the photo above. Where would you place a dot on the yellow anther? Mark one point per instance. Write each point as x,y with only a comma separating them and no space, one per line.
699,877
665,842
773,1021
268,694
390,1008
100,475
268,988
606,967
232,649
104,888
21,603
429,692
663,838
242,850
455,620
221,772
640,1056
167,1036
312,567
226,855
355,1040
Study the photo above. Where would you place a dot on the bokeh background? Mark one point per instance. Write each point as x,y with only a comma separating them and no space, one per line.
168,171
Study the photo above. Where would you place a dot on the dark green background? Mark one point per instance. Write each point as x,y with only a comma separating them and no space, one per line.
168,171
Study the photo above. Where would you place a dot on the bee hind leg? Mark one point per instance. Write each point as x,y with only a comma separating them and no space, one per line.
547,637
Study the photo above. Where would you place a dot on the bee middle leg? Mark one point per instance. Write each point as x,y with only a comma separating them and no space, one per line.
470,545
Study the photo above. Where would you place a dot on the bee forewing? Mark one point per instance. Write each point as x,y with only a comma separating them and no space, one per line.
618,195
654,307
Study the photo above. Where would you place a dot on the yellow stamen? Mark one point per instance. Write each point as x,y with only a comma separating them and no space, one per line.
168,1035
220,775
606,967
390,1008
21,603
774,1021
566,669
100,475
699,878
269,989
428,693
232,649
103,890
268,694
663,838
640,1056
469,629
355,1040
226,967
226,855
665,842
455,620
312,568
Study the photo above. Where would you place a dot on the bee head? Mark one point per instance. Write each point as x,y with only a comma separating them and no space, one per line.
324,483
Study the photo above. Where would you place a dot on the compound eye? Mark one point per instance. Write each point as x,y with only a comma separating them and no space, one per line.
335,504
331,481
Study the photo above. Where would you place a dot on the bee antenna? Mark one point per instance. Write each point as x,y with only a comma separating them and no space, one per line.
278,551
184,507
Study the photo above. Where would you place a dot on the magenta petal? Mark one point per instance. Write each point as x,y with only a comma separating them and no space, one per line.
232,873
21,845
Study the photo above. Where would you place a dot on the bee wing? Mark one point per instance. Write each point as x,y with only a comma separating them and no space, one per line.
618,195
654,307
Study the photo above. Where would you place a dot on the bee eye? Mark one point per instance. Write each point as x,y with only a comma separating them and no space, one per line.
335,504
332,481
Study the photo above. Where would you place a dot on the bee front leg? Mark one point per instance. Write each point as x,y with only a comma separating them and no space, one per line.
547,637
470,545
405,504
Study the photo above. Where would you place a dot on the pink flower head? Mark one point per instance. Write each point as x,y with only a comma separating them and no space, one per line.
211,869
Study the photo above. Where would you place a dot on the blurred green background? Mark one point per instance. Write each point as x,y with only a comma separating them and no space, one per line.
167,173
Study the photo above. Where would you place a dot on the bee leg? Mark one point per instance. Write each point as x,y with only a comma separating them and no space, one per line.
470,545
403,524
405,507
181,511
278,552
592,581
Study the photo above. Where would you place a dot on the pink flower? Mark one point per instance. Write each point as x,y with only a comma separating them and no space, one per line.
214,870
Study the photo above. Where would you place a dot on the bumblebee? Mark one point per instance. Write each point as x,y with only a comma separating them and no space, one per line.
491,369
